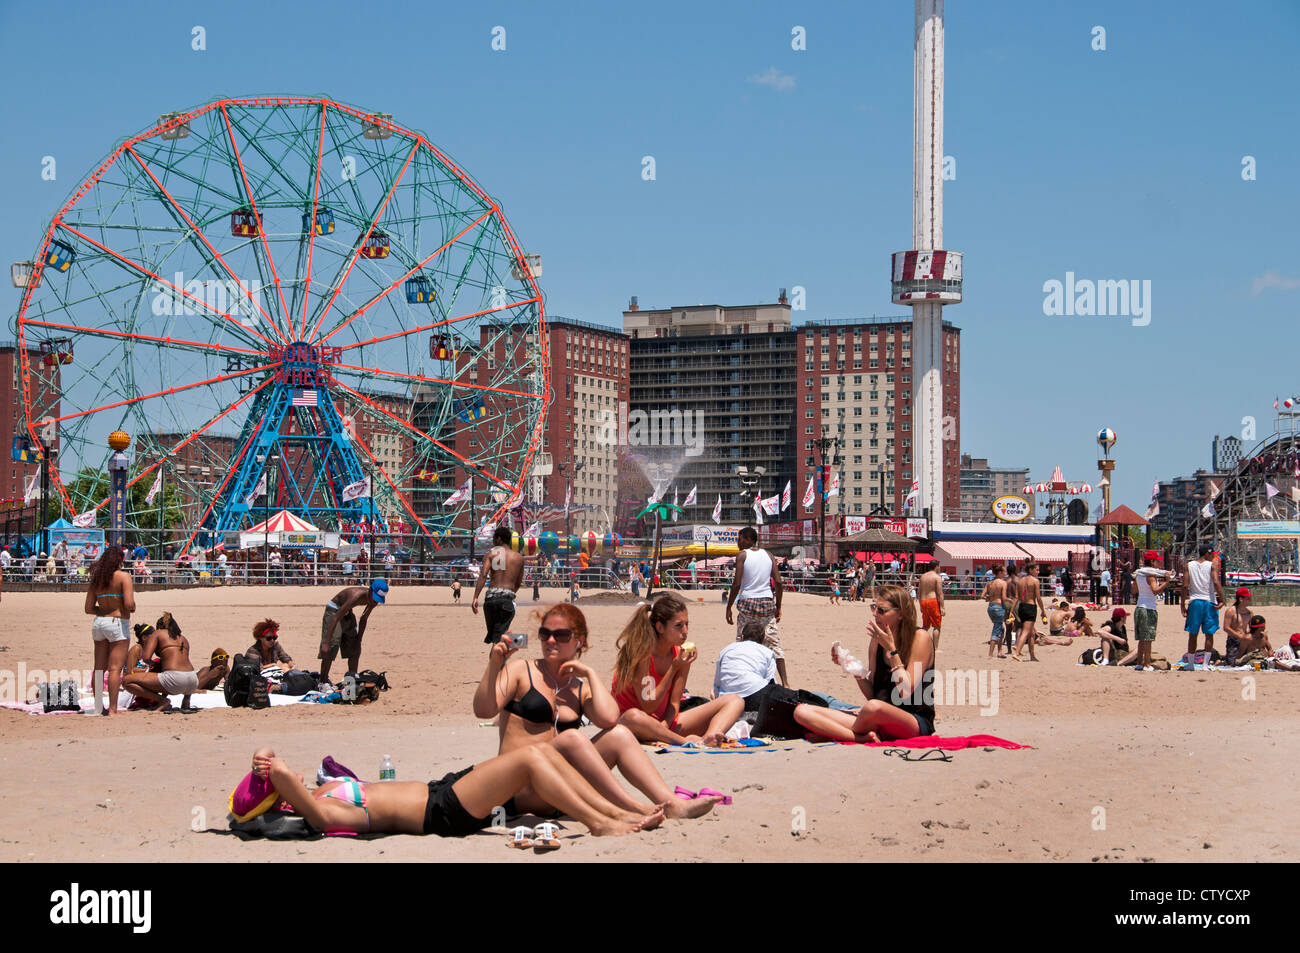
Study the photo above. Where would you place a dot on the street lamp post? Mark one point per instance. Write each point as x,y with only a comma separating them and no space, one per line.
565,467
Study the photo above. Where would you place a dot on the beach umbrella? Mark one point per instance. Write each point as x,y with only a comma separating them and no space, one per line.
1029,489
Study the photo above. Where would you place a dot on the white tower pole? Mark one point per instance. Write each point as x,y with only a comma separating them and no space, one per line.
928,277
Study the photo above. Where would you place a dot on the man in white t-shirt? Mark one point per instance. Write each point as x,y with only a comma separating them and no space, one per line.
1288,656
1104,592
746,667
1204,598
756,594
1151,581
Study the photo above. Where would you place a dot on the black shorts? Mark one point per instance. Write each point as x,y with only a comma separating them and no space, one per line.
444,815
1025,612
498,613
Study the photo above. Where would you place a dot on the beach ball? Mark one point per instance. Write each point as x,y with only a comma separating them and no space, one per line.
1106,438
549,542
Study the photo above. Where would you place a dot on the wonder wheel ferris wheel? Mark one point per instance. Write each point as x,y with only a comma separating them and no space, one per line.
288,304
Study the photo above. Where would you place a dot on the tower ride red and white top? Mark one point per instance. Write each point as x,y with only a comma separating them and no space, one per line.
928,277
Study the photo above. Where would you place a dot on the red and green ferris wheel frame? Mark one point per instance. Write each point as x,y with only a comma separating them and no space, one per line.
281,299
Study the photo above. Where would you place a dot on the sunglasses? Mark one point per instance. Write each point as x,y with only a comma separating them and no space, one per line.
560,635
879,609
220,658
269,635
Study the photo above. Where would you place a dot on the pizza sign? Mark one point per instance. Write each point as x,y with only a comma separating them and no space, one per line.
1010,509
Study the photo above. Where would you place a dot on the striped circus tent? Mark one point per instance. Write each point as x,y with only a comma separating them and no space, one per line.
283,522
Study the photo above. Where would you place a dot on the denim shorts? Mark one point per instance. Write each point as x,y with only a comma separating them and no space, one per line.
998,616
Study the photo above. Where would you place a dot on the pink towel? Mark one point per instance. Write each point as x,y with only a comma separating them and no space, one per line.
934,741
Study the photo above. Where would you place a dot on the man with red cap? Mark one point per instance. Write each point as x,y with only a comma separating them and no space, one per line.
1151,582
1236,624
1288,656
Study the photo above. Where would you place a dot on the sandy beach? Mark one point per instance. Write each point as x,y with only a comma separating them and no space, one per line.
1125,765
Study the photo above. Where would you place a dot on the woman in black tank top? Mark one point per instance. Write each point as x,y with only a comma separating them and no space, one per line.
542,701
899,687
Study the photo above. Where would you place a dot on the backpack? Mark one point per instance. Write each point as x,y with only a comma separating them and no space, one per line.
365,687
1092,657
297,682
239,682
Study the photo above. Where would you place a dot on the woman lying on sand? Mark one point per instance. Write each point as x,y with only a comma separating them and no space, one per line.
459,804
650,675
543,700
899,700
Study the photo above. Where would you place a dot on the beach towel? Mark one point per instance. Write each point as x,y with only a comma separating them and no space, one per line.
956,743
773,744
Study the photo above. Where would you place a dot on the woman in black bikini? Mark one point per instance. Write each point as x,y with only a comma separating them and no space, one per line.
898,687
460,803
543,700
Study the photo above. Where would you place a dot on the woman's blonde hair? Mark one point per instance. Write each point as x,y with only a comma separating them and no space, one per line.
637,640
572,615
901,599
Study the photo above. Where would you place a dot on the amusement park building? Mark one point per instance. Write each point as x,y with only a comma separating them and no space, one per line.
45,378
731,368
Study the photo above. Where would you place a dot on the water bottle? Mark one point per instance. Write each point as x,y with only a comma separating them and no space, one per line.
387,770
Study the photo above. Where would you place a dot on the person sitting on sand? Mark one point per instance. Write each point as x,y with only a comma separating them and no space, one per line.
176,675
1114,638
1287,656
1255,646
898,686
746,668
266,647
543,700
654,642
136,661
458,804
1056,622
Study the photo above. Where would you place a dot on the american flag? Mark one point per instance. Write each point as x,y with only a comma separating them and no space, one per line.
304,398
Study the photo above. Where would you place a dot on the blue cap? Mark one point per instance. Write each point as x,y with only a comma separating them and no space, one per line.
378,590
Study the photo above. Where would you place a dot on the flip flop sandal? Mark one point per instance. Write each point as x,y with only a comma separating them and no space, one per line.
686,795
910,754
521,837
545,837
709,792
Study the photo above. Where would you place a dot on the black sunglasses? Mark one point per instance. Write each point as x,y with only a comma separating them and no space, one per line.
560,635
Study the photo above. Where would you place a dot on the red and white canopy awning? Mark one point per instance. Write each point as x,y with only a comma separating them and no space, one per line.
283,522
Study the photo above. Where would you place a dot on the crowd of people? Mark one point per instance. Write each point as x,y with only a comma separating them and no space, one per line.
545,766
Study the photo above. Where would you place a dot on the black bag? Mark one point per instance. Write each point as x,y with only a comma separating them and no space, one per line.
259,692
776,714
297,682
58,696
369,685
239,682
1092,657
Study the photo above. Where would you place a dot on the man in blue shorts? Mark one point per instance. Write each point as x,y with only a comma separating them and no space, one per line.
1204,598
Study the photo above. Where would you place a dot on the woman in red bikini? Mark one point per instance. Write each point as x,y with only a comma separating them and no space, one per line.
650,678
543,700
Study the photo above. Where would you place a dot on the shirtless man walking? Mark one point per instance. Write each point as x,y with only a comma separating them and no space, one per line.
339,629
502,571
933,610
1029,595
177,675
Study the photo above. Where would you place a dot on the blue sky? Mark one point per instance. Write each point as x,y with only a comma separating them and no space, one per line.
777,167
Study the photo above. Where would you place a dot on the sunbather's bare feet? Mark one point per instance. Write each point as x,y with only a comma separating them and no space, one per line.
714,739
651,821
871,738
695,740
1015,658
695,807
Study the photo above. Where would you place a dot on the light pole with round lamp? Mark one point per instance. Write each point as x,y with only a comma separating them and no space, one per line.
118,441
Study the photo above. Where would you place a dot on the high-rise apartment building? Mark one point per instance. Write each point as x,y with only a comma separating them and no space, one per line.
855,386
721,381
46,381
981,484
